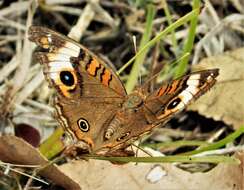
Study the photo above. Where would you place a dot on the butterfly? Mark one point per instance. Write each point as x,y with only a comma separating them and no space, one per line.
92,104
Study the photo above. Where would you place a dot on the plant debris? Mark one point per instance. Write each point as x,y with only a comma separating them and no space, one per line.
116,31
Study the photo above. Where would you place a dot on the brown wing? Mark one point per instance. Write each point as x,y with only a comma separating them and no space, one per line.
89,91
70,67
142,112
175,96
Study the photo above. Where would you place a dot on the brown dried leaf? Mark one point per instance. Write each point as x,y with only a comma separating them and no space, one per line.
96,174
16,151
225,101
100,175
28,133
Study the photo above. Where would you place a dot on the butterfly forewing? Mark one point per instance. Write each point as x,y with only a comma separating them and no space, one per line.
82,66
89,92
175,96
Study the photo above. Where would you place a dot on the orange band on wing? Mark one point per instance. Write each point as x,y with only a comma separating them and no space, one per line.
93,67
106,77
64,89
82,137
173,87
162,90
44,41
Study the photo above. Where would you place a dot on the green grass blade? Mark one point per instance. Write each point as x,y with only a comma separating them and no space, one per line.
162,34
169,20
135,71
53,145
182,67
216,145
174,144
170,159
169,69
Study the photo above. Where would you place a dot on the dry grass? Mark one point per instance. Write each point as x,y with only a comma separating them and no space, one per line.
107,28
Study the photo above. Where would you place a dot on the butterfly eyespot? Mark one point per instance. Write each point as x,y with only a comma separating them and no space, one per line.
123,136
174,103
67,78
83,125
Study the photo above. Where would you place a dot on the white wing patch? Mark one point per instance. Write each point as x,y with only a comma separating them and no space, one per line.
186,96
58,57
192,89
60,61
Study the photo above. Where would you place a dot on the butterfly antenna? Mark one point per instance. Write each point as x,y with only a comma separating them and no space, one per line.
135,50
139,148
134,43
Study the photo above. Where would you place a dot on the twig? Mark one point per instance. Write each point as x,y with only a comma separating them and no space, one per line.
50,2
102,14
221,151
85,19
214,31
29,181
15,9
30,87
24,174
39,105
9,23
8,68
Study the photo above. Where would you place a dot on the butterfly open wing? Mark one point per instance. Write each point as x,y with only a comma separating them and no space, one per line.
142,112
89,91
67,60
175,96
92,103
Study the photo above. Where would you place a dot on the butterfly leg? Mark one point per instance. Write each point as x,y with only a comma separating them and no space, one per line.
76,150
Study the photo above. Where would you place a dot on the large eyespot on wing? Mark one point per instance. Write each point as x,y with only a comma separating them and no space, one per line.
65,52
174,103
58,70
83,125
67,78
60,74
90,90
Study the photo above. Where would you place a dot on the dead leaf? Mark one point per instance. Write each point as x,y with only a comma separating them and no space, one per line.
99,175
28,133
95,174
16,151
225,101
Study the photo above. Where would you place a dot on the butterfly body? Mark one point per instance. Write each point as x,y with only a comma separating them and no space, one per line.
92,104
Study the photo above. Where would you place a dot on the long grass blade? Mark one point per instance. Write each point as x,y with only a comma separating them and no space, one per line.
188,46
135,71
162,34
170,159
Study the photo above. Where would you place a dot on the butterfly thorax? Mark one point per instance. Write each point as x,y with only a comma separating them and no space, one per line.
129,108
133,101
